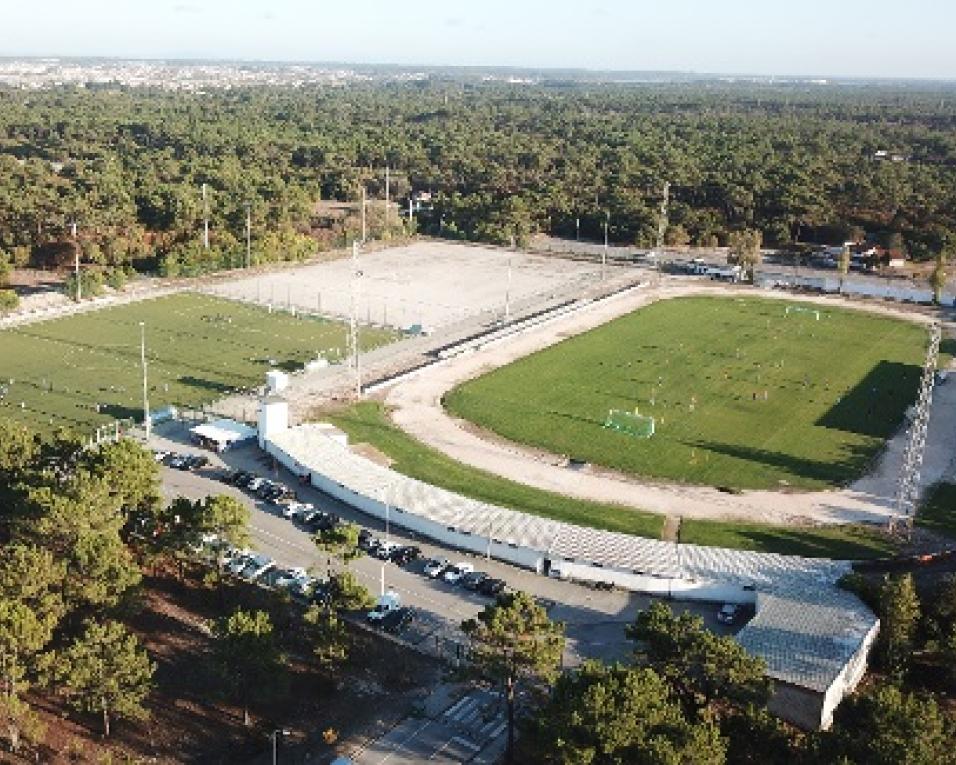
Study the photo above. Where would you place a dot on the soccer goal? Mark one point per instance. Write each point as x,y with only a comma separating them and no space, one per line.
801,309
630,423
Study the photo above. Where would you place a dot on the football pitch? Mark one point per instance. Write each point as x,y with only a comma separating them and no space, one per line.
83,371
744,394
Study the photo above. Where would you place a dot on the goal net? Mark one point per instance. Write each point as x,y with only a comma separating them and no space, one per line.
800,309
630,423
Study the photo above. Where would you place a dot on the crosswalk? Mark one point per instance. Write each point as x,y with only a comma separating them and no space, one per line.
479,717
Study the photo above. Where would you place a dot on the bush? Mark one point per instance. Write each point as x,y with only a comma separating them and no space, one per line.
116,278
91,285
9,300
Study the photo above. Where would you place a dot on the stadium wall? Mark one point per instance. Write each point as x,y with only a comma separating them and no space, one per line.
446,535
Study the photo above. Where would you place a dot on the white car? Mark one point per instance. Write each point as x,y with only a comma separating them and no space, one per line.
296,510
454,574
254,484
291,577
238,562
257,564
390,601
435,566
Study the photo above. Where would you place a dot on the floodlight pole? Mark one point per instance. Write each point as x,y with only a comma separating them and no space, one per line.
248,234
205,219
76,264
364,226
662,223
387,196
577,229
353,322
142,353
607,221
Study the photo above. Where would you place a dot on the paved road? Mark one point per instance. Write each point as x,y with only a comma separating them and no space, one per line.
595,619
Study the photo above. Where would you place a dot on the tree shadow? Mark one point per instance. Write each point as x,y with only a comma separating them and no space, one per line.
876,404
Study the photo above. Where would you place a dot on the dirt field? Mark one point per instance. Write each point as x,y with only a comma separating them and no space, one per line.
418,409
432,284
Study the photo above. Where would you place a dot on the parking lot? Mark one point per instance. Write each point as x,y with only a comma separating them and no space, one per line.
595,619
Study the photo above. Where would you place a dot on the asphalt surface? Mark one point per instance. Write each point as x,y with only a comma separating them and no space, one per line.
595,619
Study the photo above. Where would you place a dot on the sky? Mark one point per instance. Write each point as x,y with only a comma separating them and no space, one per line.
855,38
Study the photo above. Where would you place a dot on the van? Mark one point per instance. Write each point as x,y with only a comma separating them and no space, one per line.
390,601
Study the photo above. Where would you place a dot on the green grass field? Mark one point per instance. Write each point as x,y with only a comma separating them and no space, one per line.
368,423
199,349
743,395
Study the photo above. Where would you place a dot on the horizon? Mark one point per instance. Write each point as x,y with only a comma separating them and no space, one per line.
745,38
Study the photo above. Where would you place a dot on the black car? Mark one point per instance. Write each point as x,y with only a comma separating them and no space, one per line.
404,555
365,540
240,478
473,580
397,620
196,461
491,587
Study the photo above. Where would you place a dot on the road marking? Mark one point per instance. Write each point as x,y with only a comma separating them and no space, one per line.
401,746
466,743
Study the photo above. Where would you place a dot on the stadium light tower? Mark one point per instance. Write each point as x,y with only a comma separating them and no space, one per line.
76,261
907,494
607,223
364,225
662,223
205,219
353,322
388,194
248,234
142,351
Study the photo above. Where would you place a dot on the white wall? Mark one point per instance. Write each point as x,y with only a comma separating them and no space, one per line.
848,679
684,589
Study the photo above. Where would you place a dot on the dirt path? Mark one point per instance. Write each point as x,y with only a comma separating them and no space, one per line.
416,407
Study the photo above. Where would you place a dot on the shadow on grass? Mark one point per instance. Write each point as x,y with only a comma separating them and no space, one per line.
837,472
876,404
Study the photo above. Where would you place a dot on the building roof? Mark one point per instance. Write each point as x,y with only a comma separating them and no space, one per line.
224,431
806,627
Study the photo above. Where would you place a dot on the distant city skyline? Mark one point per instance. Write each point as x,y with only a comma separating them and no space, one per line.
851,38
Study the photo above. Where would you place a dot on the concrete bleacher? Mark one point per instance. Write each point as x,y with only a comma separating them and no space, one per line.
813,636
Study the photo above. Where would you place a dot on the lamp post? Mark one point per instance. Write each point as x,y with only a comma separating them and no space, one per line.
275,743
142,353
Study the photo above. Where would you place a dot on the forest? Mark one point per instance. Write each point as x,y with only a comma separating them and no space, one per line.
801,163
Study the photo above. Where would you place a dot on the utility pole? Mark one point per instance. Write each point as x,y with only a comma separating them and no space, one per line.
76,263
662,224
410,213
248,234
364,226
205,219
142,355
577,229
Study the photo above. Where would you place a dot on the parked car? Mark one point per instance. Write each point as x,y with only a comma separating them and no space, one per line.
238,561
434,567
729,613
365,539
491,587
454,574
253,484
288,578
390,601
258,565
241,478
385,549
404,555
473,580
196,461
296,510
159,455
397,620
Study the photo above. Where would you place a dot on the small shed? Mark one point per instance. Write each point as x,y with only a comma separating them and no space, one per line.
220,435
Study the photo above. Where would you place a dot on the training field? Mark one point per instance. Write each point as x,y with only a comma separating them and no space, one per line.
199,349
434,284
743,395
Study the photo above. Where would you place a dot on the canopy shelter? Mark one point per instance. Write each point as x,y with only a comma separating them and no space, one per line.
222,434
